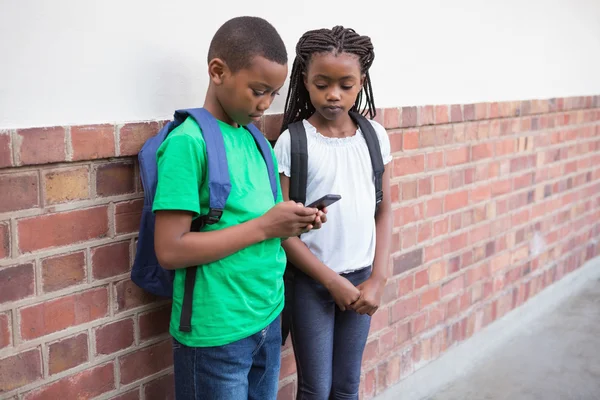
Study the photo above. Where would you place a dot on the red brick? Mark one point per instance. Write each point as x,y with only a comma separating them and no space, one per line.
481,151
435,160
129,295
441,114
440,227
430,297
457,156
434,207
56,315
145,362
128,215
406,285
115,336
395,141
63,271
288,366
6,158
409,190
16,283
155,323
110,260
68,353
272,125
132,395
391,118
91,142
469,112
456,113
425,231
481,193
501,187
4,240
20,370
19,191
505,147
441,183
41,145
133,136
421,279
5,330
404,308
160,389
62,228
454,286
84,385
409,237
66,184
408,261
425,186
426,115
481,111
457,200
433,252
288,392
115,178
410,140
409,117
427,137
408,214
443,135
457,242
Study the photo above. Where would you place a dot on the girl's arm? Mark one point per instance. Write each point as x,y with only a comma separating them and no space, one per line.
341,289
372,288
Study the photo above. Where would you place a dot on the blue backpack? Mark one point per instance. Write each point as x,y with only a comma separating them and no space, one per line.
147,272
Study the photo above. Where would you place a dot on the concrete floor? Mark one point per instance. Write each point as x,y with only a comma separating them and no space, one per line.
554,358
550,350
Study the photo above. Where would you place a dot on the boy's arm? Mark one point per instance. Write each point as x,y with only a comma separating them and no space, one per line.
342,290
177,247
372,289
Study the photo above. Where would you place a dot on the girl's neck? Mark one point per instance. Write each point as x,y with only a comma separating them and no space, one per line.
339,128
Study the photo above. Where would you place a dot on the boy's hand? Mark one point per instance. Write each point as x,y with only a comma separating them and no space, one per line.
371,291
344,293
320,218
288,219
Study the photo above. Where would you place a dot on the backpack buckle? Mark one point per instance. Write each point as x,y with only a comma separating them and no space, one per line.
213,216
378,197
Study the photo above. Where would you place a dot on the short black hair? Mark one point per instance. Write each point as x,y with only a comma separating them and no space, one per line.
241,39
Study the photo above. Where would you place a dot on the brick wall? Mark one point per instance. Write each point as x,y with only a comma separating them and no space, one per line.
492,203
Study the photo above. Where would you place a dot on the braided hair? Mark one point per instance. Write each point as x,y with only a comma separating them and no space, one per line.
337,40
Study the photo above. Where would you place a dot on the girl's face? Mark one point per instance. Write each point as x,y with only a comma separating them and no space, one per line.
333,83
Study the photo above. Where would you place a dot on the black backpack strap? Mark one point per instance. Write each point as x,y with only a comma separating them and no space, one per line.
374,151
299,162
185,321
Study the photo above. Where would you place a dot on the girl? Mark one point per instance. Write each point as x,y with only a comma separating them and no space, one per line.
342,263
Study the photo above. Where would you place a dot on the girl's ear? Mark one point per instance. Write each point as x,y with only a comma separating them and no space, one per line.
362,80
217,71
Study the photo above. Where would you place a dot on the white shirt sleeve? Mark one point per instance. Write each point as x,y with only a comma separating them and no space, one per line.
282,153
384,142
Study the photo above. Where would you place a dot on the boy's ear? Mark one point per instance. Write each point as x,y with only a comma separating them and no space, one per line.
217,70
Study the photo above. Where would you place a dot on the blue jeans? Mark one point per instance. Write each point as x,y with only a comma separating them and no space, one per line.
328,343
245,369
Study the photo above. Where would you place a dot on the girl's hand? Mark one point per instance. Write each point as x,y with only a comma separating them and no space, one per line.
344,293
371,291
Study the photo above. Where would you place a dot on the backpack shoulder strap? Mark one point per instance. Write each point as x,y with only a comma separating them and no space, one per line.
299,162
265,151
219,185
374,151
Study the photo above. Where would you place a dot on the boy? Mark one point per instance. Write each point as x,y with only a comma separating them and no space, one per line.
233,349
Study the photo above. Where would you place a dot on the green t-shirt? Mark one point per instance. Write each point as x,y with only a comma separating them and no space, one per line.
241,294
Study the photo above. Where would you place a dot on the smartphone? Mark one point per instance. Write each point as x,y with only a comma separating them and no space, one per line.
325,201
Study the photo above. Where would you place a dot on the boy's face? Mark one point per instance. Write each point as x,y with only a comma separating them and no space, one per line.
247,93
333,83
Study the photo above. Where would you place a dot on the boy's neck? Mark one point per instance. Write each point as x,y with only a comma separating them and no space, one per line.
212,105
340,127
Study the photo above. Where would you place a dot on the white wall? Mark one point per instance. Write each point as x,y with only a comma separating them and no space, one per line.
85,61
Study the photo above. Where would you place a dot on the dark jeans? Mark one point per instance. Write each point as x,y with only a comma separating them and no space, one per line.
328,343
246,369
